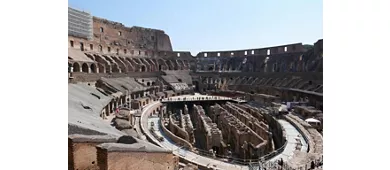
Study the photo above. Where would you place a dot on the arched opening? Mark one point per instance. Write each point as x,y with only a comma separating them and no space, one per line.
143,68
115,68
108,69
84,68
76,67
101,68
148,83
211,68
159,67
93,68
180,80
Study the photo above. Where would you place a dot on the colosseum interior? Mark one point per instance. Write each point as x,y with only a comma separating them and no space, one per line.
134,103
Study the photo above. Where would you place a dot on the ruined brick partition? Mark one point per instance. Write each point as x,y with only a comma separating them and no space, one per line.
113,156
82,150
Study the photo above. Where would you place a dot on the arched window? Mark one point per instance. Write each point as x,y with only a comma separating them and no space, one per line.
76,67
101,29
85,68
93,68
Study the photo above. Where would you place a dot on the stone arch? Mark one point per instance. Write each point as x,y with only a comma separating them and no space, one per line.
93,68
85,68
120,63
115,68
292,66
185,62
101,68
161,63
143,68
170,65
175,65
76,67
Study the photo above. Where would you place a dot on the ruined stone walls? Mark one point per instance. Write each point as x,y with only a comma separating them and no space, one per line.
111,37
116,34
178,131
207,129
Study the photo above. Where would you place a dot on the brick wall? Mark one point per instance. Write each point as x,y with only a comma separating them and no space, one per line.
82,151
136,160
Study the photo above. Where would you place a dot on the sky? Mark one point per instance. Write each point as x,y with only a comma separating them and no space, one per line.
217,25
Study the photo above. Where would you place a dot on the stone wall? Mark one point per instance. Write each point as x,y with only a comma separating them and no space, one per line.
115,34
284,58
82,151
140,159
92,77
179,141
178,131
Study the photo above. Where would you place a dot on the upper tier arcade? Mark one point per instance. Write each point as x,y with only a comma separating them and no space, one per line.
284,58
282,49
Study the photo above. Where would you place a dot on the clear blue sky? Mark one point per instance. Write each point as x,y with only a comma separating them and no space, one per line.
210,25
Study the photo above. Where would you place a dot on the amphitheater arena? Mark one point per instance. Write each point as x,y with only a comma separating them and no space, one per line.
134,103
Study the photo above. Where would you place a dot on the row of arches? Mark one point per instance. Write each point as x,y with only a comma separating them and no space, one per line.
251,65
83,67
112,64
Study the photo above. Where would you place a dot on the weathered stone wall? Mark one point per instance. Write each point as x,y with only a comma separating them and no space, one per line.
82,151
117,34
175,138
92,77
178,131
284,58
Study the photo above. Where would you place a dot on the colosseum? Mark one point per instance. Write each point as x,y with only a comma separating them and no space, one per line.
135,103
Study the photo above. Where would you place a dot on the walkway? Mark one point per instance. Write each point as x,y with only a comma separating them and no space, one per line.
199,97
293,138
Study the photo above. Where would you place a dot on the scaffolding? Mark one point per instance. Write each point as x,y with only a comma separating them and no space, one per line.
79,23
